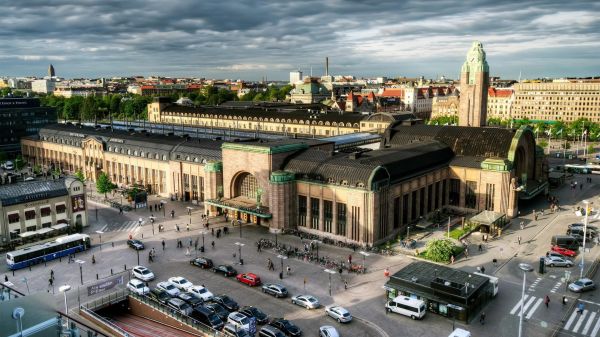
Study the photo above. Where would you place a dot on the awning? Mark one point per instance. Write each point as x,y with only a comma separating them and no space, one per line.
38,232
44,230
60,226
243,205
487,217
28,234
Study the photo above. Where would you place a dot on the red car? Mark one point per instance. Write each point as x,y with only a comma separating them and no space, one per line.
563,251
249,279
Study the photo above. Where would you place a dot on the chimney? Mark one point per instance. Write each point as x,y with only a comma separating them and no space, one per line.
326,66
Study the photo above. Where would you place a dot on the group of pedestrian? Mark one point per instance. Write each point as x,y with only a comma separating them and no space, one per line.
157,207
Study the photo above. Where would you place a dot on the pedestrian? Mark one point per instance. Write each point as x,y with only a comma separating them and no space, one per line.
564,300
345,285
213,244
120,210
190,243
187,227
547,301
187,251
522,224
163,244
51,274
350,259
482,318
580,308
93,259
289,270
212,231
5,278
196,244
519,239
480,248
452,259
177,227
258,247
535,216
542,212
482,269
50,282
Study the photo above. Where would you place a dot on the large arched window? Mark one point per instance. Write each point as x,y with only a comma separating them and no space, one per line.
246,185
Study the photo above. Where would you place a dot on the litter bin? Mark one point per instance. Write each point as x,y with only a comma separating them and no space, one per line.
242,262
281,275
542,269
202,249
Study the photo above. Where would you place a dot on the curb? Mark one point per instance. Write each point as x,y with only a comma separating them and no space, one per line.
370,324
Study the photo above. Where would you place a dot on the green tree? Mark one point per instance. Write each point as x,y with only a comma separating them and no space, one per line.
115,102
79,176
5,91
439,250
89,109
37,169
104,185
19,163
71,109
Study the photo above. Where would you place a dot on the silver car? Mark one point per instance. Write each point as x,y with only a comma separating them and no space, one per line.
341,314
581,285
555,261
307,301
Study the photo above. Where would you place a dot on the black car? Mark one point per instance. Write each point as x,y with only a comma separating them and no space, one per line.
288,328
259,315
202,262
218,310
225,269
227,302
207,317
159,295
135,244
190,299
276,290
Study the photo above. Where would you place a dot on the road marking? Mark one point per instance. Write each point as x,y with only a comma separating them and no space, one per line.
571,319
537,304
529,302
596,328
580,321
103,229
589,323
516,307
589,302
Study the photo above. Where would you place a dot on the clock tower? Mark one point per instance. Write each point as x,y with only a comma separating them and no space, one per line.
474,83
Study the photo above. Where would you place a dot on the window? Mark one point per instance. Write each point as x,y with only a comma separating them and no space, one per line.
30,215
490,190
341,219
13,218
45,211
354,235
413,209
247,186
396,212
454,194
470,195
60,209
327,215
405,209
302,210
314,213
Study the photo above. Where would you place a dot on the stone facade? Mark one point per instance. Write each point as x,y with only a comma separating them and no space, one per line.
474,83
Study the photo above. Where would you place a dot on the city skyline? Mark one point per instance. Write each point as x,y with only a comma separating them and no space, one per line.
254,39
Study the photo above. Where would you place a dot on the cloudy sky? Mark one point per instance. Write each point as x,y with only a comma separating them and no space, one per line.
250,39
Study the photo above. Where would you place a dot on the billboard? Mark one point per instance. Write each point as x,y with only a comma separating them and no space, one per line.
104,285
78,203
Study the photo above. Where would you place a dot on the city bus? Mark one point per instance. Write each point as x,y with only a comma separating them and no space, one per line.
47,251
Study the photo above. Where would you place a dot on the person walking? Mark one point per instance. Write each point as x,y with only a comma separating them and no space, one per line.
519,239
163,244
350,259
480,248
5,278
564,300
482,318
187,251
345,285
288,270
547,301
580,307
187,227
213,244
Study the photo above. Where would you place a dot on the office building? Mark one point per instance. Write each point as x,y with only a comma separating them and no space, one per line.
21,117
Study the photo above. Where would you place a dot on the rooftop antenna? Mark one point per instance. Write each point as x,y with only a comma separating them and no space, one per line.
326,66
519,77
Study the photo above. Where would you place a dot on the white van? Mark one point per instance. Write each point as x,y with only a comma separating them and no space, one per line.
458,332
407,306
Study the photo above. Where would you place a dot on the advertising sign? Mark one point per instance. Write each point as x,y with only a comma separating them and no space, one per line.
104,285
78,203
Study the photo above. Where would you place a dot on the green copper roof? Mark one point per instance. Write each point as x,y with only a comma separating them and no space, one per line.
265,148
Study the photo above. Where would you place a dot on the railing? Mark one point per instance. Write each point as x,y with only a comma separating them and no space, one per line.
106,322
107,300
176,315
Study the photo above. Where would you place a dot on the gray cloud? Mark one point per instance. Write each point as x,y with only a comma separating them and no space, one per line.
251,39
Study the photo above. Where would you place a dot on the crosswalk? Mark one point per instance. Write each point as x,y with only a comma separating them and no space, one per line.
532,303
586,323
126,226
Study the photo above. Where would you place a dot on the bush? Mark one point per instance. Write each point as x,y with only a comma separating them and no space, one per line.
458,232
440,250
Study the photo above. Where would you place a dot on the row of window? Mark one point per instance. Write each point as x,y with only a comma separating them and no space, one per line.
31,214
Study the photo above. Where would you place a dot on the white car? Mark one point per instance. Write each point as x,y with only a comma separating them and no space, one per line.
341,314
142,273
181,283
138,287
307,301
169,288
239,320
201,292
328,331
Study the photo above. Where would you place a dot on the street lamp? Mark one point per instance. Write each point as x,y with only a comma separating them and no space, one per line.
24,279
100,237
80,269
364,255
330,272
240,245
64,289
152,218
282,257
585,223
525,267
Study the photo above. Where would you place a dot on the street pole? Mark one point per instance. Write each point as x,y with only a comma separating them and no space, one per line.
330,272
138,256
64,289
585,222
525,268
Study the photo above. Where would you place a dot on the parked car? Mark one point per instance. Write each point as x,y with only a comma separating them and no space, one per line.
341,314
180,306
259,315
190,299
307,301
249,279
135,244
239,320
554,261
581,285
287,327
181,283
159,295
580,225
207,317
579,231
233,331
202,262
201,292
227,302
224,269
138,287
169,288
218,310
328,331
270,331
563,251
142,273
276,290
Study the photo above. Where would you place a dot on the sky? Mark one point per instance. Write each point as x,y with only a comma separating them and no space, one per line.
252,39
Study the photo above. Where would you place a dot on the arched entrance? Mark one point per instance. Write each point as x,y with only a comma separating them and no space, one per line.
245,185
